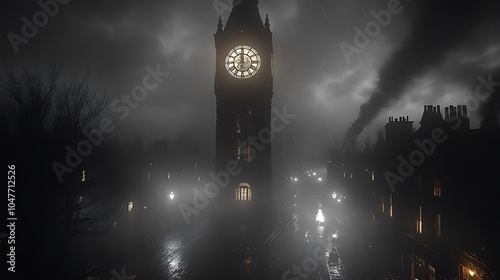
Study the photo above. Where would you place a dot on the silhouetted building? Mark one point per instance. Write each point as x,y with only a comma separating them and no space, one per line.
398,131
244,90
430,191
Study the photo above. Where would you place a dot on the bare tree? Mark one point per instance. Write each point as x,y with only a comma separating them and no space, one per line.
51,111
53,105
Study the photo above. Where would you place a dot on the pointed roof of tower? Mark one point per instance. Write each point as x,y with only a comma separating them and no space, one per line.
245,16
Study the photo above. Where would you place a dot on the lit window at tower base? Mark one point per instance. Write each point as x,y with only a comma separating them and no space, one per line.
243,192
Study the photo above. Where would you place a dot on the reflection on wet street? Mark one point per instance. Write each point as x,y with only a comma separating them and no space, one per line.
318,240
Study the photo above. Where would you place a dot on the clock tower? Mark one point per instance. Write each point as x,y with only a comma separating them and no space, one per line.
244,91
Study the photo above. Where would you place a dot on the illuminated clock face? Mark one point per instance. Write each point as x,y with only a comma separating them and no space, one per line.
243,62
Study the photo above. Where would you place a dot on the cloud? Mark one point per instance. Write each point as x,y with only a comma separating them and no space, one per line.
116,40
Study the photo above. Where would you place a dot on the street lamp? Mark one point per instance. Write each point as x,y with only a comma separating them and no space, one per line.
171,195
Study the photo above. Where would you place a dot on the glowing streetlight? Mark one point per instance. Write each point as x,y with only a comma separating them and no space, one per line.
171,195
320,179
334,195
319,217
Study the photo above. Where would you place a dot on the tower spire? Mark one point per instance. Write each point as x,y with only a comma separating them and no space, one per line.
267,24
220,25
244,17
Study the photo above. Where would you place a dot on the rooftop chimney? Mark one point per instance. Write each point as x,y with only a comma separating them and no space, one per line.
453,111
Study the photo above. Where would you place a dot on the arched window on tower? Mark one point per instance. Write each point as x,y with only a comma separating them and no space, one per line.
243,192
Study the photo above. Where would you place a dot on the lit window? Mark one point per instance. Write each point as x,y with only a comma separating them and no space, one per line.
383,207
243,192
149,176
344,174
168,175
373,175
432,272
390,206
238,148
469,271
238,123
419,220
437,189
130,206
84,175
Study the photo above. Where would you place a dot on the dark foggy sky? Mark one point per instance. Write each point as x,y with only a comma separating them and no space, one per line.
116,40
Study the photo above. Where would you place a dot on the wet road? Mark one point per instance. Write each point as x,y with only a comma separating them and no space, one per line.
319,239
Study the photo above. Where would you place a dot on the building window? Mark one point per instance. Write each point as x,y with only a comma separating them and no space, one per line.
437,224
249,120
84,175
130,206
437,189
243,192
383,207
238,148
432,272
373,175
470,271
248,153
243,151
238,124
419,220
390,206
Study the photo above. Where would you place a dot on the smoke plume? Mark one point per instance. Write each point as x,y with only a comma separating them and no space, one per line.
440,27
